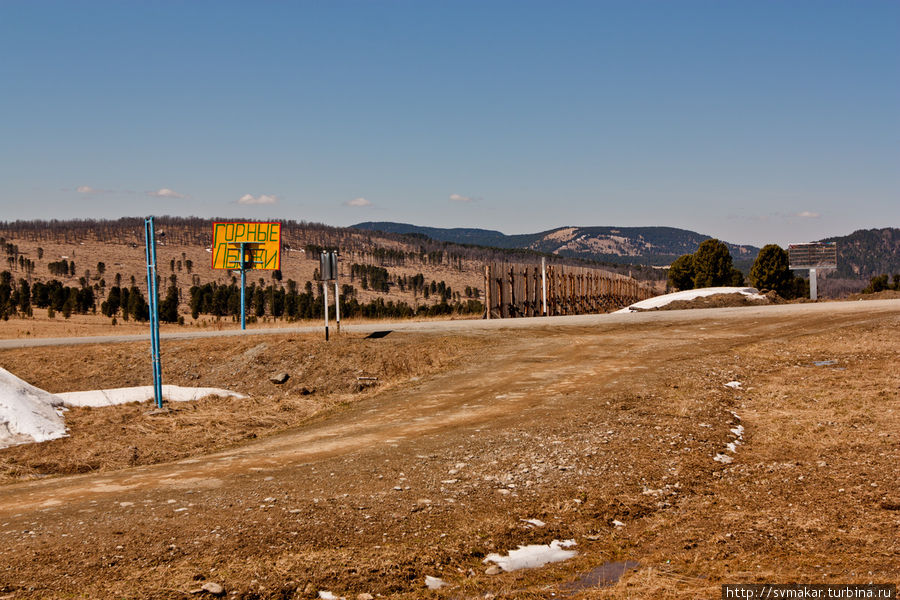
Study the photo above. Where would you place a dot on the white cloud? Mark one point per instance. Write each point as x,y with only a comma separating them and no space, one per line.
165,193
86,189
358,203
808,215
462,199
261,199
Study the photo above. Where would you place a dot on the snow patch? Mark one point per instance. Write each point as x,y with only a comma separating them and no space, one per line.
735,385
434,583
27,414
326,595
533,556
535,522
660,301
738,432
111,397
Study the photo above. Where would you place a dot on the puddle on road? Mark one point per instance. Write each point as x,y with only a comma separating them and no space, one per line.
603,576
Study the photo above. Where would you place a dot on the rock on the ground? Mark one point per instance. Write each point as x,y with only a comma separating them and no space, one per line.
279,378
216,589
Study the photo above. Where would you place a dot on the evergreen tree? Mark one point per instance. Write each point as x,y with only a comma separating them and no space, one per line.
681,272
168,308
771,271
137,305
712,265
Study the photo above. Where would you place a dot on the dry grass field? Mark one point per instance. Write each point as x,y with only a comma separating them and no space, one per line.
606,434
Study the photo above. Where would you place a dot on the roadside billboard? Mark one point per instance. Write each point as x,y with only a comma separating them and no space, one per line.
261,242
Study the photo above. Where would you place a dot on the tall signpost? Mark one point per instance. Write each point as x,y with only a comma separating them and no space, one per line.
328,271
246,247
153,305
813,256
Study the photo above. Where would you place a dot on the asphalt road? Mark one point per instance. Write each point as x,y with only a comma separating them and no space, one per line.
774,311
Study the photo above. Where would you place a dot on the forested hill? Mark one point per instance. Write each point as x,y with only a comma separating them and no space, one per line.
656,246
868,252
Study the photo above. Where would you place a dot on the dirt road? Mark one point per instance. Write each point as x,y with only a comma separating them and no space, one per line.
582,423
463,325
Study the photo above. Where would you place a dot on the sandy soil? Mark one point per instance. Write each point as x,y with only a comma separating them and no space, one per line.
577,426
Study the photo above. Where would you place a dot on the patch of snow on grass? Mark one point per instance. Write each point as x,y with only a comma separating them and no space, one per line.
172,393
660,301
735,385
533,556
535,522
325,595
434,583
27,414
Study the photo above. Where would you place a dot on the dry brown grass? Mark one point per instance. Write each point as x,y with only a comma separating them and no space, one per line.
322,376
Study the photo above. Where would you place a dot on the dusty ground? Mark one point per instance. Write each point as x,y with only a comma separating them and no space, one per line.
576,426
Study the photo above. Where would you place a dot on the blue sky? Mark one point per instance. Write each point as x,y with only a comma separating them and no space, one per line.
754,122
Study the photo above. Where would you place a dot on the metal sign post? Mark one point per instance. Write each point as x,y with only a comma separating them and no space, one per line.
243,261
327,272
153,304
337,296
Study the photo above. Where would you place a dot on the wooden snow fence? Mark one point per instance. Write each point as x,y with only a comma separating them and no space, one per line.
515,290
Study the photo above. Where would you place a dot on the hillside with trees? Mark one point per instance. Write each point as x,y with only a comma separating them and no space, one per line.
866,253
88,266
653,246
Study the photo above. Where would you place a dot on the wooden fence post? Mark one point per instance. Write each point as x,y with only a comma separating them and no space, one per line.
487,291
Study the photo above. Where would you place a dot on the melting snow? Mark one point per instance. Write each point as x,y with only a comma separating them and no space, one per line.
172,393
738,432
535,522
536,555
434,583
27,414
659,301
734,385
325,595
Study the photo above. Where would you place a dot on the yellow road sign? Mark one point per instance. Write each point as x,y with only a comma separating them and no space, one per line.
262,245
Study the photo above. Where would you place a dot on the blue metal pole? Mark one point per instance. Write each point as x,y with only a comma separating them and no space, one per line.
153,305
243,286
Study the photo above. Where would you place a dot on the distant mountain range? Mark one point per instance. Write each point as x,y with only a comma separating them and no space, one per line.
655,246
861,255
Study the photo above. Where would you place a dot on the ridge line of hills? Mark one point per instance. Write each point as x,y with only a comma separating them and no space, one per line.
861,254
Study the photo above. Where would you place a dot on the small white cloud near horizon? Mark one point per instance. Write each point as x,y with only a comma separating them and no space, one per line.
261,199
462,199
86,189
165,193
807,215
358,203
